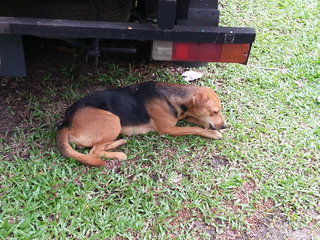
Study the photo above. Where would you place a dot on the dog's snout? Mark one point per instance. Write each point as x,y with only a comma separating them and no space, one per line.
223,126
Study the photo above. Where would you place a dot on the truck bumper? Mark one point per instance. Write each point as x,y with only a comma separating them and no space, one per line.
71,29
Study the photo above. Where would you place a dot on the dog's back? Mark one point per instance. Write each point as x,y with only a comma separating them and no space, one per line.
128,103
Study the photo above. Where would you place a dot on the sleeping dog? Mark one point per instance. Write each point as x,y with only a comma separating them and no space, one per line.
97,120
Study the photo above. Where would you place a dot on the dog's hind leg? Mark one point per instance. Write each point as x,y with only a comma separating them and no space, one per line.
99,150
115,144
96,128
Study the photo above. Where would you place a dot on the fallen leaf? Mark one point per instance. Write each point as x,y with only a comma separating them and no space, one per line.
192,75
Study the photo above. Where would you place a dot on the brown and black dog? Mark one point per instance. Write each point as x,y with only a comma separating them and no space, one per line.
98,119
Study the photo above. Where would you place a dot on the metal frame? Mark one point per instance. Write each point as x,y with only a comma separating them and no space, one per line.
198,13
166,14
116,30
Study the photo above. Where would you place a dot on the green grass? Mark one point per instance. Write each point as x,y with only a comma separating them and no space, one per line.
266,166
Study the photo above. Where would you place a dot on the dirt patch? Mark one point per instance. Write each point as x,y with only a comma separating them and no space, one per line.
198,226
277,228
216,161
7,121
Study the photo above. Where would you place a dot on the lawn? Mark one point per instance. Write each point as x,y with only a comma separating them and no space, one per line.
261,181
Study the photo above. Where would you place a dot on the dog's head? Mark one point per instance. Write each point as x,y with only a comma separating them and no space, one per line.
206,109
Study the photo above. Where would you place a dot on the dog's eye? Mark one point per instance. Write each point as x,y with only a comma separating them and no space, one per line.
215,112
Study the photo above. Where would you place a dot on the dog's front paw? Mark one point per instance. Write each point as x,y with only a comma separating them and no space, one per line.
120,156
214,134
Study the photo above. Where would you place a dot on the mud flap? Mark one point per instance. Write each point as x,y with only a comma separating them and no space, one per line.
12,61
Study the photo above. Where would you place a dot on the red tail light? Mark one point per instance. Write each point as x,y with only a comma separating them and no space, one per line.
196,52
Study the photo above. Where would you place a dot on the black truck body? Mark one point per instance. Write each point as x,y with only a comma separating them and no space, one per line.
178,30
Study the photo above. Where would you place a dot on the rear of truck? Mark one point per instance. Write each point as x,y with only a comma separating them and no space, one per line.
176,30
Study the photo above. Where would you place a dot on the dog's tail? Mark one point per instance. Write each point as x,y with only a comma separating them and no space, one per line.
67,151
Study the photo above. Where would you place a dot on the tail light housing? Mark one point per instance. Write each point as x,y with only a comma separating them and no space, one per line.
200,52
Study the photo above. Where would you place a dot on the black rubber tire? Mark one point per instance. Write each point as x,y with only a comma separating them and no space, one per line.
95,10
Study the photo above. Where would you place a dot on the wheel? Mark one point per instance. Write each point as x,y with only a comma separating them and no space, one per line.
96,10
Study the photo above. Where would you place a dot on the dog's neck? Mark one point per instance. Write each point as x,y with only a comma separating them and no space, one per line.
179,98
182,107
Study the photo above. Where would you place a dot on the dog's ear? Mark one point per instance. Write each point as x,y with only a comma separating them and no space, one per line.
199,99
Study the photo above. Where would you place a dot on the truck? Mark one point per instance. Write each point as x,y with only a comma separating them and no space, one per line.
183,31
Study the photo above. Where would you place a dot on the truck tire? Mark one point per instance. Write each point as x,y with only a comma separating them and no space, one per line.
95,10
